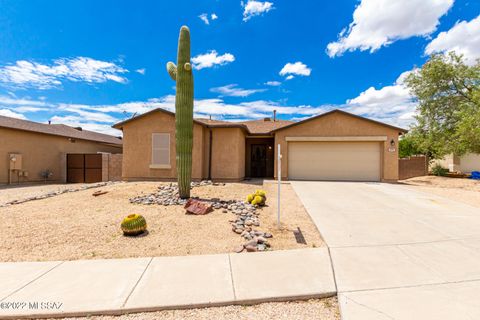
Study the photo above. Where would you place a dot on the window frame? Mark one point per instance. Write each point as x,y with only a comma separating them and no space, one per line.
153,149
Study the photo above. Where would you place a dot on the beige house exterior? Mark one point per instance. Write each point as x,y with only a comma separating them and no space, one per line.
37,147
333,146
465,164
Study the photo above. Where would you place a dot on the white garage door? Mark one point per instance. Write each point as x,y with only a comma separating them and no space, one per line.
348,161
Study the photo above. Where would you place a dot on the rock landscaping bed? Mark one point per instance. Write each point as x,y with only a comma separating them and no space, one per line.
245,223
78,225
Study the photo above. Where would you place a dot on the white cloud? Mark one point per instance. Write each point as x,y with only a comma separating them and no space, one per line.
298,68
27,109
13,101
231,90
141,71
88,115
211,59
24,74
290,77
254,8
392,104
11,114
86,125
273,83
463,38
378,23
204,18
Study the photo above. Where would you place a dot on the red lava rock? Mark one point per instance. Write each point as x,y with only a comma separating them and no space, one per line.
197,207
239,249
99,193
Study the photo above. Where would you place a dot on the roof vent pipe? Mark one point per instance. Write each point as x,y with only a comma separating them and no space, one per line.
274,115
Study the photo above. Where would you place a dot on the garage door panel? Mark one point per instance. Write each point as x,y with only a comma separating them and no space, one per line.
351,161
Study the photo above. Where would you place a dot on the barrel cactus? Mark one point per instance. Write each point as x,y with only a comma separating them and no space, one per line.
133,225
258,198
182,75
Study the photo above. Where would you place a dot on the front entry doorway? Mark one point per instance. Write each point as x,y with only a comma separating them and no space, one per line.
259,158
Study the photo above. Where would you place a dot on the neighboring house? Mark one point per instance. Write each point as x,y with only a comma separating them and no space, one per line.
30,148
332,146
465,164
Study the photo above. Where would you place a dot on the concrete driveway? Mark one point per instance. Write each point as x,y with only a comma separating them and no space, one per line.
398,253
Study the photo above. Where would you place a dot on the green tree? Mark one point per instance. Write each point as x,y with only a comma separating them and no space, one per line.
448,114
408,146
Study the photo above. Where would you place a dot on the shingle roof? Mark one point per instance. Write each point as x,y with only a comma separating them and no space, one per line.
265,126
57,130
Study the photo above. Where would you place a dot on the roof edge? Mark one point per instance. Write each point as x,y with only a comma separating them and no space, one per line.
401,130
119,125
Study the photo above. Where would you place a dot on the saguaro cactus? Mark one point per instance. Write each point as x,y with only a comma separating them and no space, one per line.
183,111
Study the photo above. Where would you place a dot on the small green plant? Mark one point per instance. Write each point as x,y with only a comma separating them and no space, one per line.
438,170
134,225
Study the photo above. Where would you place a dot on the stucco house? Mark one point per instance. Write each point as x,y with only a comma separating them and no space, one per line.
29,148
332,146
465,164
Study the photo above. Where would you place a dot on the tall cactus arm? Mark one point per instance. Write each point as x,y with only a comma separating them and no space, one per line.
172,70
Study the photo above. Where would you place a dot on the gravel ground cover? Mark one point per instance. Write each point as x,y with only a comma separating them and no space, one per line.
77,225
460,189
314,309
22,192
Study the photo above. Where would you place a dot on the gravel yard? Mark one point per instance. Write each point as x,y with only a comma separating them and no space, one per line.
460,189
324,309
22,191
79,226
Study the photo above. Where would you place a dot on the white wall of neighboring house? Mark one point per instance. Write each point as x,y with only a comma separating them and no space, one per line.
470,162
465,164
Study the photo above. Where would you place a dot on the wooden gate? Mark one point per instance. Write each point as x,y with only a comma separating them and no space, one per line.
84,168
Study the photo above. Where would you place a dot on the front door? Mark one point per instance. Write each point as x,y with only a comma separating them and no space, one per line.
258,160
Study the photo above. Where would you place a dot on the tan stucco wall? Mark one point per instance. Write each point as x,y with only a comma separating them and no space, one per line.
41,152
449,162
465,164
228,154
337,125
137,146
470,162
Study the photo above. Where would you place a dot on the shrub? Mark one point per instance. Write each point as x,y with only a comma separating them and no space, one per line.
133,225
438,170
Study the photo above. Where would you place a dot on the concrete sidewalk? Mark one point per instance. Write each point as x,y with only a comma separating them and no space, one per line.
115,286
398,253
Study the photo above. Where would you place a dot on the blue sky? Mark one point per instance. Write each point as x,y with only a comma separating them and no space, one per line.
93,63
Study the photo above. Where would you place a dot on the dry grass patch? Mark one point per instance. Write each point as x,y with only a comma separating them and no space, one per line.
79,226
325,309
460,189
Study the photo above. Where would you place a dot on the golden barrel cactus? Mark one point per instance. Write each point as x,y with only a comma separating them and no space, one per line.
133,225
258,198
